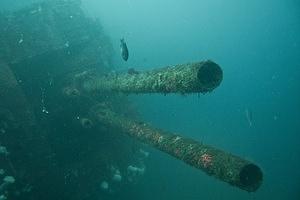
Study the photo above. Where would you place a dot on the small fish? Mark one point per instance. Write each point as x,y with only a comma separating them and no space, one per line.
249,116
124,49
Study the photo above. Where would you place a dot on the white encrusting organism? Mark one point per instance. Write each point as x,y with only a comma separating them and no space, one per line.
3,150
117,176
134,173
7,180
104,185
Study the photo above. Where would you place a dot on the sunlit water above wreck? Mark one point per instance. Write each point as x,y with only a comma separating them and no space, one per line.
255,111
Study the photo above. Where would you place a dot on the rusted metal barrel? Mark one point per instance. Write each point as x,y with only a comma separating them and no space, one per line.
199,77
215,162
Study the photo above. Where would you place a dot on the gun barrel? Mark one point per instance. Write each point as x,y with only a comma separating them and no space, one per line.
215,162
199,77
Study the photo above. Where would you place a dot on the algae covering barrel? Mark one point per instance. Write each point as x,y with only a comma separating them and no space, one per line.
215,162
199,77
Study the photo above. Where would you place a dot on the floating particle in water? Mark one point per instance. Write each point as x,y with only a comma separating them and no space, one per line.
21,40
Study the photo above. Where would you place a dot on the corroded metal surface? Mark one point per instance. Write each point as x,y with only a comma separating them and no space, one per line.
199,77
215,162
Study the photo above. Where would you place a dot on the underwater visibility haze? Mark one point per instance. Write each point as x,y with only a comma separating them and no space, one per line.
160,99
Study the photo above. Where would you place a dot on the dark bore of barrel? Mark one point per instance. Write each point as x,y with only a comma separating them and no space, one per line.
215,162
199,77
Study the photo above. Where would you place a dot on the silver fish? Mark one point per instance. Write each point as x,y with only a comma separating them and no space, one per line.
124,49
248,114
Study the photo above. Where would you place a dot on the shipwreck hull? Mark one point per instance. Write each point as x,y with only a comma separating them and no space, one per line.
59,100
